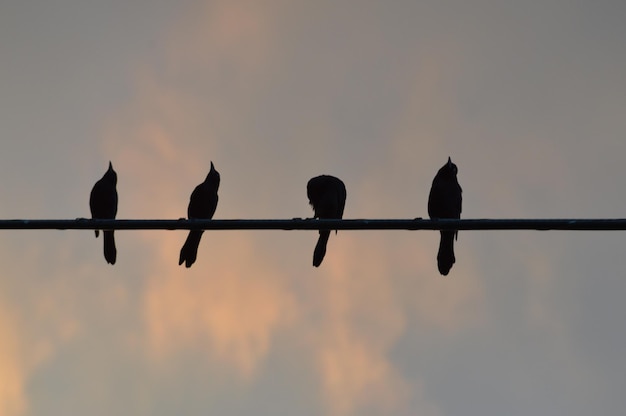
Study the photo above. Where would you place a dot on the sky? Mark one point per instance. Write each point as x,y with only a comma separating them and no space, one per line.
527,98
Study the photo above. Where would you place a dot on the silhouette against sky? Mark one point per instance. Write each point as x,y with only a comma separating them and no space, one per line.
526,97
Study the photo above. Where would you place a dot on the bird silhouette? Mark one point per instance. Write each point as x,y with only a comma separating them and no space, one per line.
103,205
445,201
202,205
327,196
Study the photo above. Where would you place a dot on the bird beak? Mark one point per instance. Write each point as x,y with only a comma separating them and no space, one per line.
212,167
449,161
110,165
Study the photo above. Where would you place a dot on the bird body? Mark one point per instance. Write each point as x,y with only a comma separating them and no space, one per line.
444,201
103,205
202,205
327,196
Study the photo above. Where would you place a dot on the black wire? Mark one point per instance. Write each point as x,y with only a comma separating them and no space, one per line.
618,224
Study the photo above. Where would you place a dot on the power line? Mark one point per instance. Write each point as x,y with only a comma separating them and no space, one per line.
618,224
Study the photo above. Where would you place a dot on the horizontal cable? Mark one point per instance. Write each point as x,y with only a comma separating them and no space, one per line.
316,224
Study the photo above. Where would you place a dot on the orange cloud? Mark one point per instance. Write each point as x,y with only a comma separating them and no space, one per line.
229,303
33,328
12,366
223,39
234,301
357,375
362,321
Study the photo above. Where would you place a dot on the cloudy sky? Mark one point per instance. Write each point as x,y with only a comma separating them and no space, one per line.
528,98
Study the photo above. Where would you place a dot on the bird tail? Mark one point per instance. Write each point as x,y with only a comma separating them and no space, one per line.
445,256
110,252
97,233
320,248
189,251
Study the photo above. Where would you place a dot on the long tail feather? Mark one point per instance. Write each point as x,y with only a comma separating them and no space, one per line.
445,256
189,251
320,248
110,252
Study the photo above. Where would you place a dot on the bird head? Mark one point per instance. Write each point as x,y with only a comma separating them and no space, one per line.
110,174
213,176
451,167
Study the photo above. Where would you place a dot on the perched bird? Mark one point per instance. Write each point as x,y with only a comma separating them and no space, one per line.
327,196
444,201
202,205
103,205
